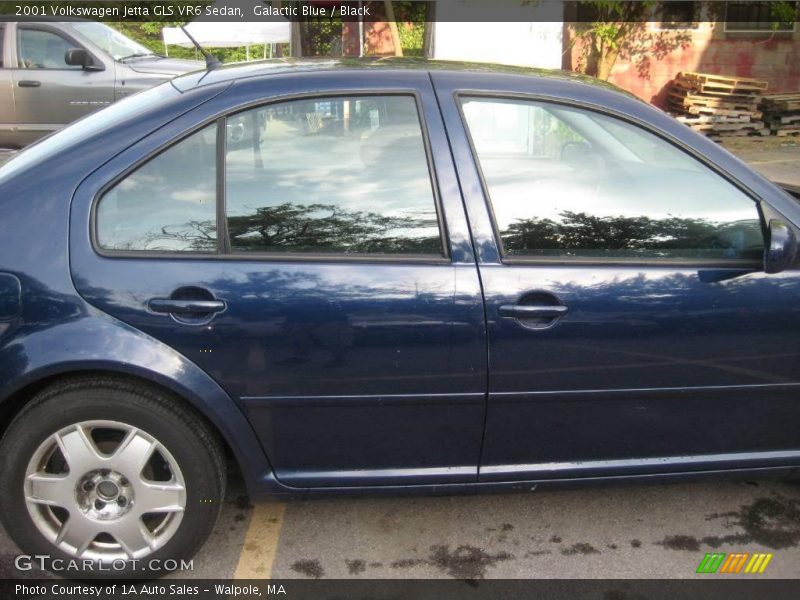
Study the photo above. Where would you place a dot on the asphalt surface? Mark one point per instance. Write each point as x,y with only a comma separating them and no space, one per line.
641,531
634,531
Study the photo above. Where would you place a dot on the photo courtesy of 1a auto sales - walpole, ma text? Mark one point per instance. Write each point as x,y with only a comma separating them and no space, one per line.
399,300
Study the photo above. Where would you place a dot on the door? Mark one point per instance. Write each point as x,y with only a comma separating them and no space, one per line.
7,138
48,92
329,285
631,327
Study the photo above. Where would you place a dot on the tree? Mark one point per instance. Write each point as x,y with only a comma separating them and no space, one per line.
398,47
609,29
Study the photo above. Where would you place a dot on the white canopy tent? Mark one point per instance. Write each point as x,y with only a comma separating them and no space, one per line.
214,34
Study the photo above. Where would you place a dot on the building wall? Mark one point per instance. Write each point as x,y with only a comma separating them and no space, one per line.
525,44
710,49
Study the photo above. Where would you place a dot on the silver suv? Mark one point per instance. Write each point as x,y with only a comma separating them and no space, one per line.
55,72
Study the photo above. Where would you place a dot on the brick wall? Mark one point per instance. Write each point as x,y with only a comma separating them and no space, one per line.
710,49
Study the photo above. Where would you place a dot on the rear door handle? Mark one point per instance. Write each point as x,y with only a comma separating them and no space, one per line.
29,83
185,307
522,311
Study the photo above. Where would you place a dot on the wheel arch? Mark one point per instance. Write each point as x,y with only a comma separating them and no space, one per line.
210,403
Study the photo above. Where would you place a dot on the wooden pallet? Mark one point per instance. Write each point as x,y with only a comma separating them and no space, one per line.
720,112
781,103
721,82
695,101
725,95
718,106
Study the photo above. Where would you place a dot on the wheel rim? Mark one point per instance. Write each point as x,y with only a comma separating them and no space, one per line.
105,491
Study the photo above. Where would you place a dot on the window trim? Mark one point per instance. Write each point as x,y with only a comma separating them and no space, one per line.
460,95
223,251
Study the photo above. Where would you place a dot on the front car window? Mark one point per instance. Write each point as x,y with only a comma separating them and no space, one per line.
111,41
331,175
40,49
570,183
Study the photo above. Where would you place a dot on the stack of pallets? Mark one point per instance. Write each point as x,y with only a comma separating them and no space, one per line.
718,106
782,113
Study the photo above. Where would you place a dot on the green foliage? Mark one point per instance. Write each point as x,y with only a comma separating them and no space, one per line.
321,37
411,26
612,29
784,14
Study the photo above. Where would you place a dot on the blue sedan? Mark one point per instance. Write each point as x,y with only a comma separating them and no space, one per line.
387,276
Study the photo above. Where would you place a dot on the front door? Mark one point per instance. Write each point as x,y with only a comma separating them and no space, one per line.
7,134
329,286
48,92
631,328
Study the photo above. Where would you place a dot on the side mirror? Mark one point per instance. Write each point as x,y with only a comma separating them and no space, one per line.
78,57
781,249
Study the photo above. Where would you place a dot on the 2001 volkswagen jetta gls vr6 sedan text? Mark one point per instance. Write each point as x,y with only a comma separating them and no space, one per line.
389,276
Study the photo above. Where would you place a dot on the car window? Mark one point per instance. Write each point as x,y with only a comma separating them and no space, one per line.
38,49
166,205
2,43
109,39
330,175
570,183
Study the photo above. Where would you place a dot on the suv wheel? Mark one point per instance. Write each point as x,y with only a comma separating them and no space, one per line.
111,477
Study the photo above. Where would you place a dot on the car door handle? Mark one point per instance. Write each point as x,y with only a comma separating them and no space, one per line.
185,307
29,83
522,311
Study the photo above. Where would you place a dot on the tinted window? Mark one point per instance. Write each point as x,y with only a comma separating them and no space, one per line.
168,204
571,183
37,49
2,43
343,175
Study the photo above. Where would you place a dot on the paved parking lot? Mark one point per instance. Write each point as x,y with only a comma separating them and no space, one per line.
639,531
609,532
776,158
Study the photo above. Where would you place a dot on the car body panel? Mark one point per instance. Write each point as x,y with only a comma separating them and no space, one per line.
543,427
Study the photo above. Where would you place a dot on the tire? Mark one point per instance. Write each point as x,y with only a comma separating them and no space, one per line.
69,470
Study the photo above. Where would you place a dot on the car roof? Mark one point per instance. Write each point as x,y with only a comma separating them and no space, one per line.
236,71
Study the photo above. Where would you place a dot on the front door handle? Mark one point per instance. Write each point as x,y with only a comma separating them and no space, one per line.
29,83
535,310
185,307
522,311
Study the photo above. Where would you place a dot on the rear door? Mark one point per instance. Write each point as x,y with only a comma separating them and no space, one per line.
631,326
311,253
50,93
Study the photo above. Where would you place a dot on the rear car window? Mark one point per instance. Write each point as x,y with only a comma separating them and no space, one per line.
332,175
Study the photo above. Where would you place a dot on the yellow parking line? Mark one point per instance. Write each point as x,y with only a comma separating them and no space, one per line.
261,541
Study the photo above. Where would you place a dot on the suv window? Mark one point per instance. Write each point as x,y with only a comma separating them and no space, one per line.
330,175
570,183
39,49
168,204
